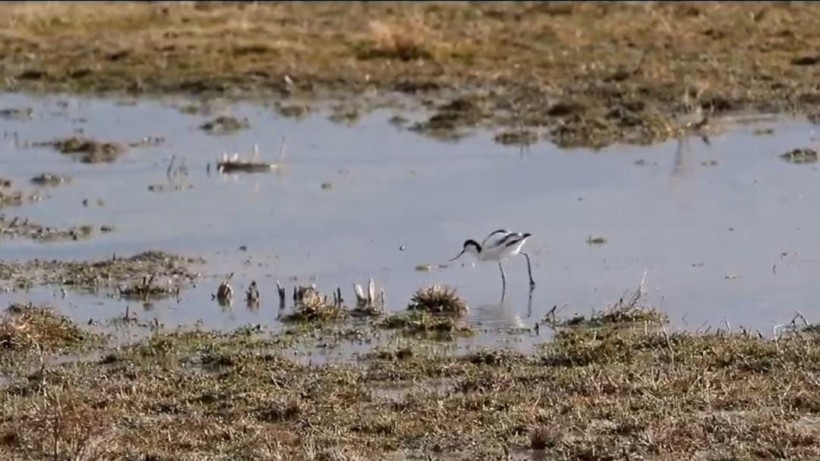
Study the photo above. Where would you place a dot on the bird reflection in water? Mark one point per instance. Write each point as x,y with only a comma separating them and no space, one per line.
502,314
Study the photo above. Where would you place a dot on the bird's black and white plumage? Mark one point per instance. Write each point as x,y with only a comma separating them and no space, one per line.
498,246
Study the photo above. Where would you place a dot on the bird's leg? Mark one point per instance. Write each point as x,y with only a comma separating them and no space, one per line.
503,278
529,270
529,303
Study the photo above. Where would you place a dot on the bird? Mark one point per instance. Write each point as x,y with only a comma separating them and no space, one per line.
498,246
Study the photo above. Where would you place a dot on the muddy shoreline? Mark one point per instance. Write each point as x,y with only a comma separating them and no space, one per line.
585,74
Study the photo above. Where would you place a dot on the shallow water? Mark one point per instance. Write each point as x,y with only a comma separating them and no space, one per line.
729,242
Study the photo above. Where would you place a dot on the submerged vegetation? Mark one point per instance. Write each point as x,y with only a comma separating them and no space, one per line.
224,125
422,324
135,272
87,150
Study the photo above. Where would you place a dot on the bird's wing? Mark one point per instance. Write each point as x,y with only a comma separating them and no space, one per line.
501,241
495,236
503,246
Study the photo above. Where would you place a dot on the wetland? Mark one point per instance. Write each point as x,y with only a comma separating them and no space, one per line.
224,231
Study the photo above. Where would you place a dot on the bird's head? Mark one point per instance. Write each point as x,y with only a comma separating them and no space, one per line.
470,246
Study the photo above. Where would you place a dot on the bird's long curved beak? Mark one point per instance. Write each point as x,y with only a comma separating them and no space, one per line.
457,256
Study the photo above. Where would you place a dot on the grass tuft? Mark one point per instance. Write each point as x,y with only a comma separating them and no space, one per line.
437,299
30,328
393,40
313,307
422,324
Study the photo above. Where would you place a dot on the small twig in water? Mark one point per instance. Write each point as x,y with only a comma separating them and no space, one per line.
282,150
171,167
551,313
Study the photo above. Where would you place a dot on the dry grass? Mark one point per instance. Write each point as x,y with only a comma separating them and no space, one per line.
313,307
589,394
423,324
409,40
590,72
437,299
61,426
111,273
146,289
619,313
29,328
